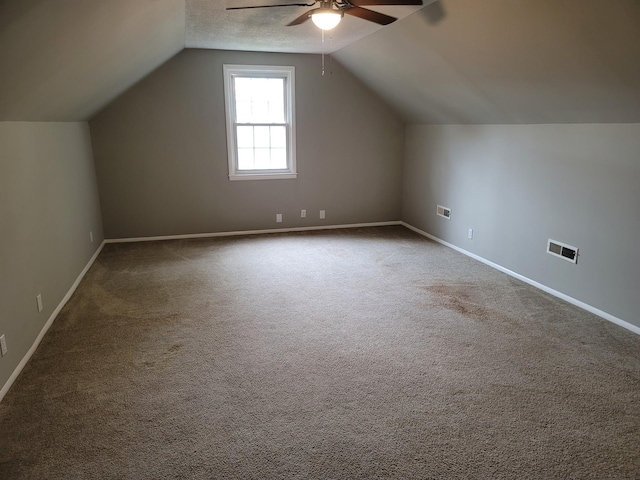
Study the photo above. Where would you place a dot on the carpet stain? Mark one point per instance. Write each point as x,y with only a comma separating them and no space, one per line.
467,300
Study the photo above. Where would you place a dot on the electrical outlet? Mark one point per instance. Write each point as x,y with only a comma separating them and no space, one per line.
91,235
322,215
470,234
303,213
39,301
3,345
278,217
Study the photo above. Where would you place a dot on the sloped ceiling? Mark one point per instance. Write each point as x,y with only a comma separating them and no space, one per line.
453,61
210,25
508,61
62,60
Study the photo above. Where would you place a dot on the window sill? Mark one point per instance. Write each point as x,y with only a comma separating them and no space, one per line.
262,176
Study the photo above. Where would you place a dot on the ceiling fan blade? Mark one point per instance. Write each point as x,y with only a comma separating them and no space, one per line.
366,14
276,5
363,3
301,19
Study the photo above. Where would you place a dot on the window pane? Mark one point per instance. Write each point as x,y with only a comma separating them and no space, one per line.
245,159
276,88
276,100
243,88
278,137
259,100
276,112
263,158
260,111
259,87
245,137
278,158
261,137
243,112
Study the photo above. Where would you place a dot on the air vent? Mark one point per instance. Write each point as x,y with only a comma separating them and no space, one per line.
562,250
444,212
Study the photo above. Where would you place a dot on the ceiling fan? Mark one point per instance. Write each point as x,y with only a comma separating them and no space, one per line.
330,12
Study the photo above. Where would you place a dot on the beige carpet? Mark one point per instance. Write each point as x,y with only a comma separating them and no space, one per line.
367,353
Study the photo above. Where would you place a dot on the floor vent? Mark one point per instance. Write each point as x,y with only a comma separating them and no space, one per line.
562,250
444,212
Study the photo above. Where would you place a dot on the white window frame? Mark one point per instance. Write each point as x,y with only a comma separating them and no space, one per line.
286,72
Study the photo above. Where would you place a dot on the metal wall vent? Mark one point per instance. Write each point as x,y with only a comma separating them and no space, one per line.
444,212
562,250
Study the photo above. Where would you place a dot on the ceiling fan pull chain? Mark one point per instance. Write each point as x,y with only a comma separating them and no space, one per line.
322,52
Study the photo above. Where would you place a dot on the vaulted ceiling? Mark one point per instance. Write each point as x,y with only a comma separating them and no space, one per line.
62,60
508,61
210,25
453,61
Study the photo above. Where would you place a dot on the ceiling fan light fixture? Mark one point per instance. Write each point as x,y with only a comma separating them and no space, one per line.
326,18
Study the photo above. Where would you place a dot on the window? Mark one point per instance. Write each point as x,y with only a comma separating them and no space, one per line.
260,122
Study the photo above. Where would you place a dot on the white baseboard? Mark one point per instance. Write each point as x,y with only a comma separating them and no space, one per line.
54,314
555,293
251,232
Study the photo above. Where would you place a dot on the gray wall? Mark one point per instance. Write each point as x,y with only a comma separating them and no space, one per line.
161,158
48,205
519,185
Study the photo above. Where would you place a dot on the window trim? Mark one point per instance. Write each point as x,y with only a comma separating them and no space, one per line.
286,72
